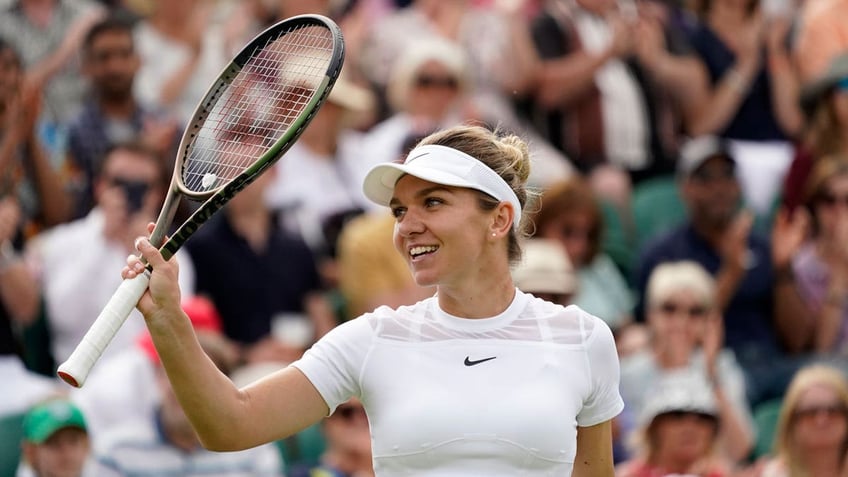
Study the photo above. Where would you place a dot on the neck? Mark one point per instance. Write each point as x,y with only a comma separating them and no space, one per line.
724,14
671,356
252,224
823,462
669,463
483,296
117,108
711,233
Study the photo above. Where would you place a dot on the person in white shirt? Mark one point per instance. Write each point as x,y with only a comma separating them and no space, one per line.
480,379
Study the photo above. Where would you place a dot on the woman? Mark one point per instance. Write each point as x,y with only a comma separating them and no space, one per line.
686,335
479,379
812,429
679,433
571,215
821,265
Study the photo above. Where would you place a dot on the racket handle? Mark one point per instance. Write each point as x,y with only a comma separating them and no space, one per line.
75,370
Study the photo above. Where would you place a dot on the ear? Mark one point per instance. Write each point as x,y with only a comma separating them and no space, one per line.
502,219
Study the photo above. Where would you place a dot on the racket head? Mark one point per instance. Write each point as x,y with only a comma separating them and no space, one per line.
259,105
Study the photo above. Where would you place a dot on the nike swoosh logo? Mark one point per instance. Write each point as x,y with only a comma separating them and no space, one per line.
469,362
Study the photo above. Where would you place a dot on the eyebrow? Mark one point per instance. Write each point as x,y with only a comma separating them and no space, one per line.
421,193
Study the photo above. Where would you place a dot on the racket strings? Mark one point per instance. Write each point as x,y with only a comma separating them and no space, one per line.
257,106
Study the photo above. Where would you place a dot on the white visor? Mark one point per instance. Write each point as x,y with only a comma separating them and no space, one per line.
441,165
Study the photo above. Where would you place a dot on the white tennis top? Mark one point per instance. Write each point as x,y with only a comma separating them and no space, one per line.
453,396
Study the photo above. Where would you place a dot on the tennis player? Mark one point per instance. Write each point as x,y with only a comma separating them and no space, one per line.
480,379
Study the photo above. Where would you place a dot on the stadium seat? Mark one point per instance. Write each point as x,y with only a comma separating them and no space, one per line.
765,420
656,208
11,434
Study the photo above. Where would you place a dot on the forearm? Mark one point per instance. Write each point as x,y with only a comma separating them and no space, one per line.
564,79
727,282
784,93
211,401
719,108
790,314
736,434
54,199
829,320
18,291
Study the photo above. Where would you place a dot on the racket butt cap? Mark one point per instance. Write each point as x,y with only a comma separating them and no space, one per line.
68,379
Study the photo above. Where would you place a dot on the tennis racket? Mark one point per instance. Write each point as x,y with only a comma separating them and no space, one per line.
253,112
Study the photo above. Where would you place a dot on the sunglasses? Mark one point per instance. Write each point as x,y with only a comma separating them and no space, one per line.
832,200
432,81
828,410
671,308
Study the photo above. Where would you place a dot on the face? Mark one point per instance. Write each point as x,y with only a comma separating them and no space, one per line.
820,419
134,178
679,317
831,206
712,192
433,92
62,455
575,230
441,231
111,64
686,436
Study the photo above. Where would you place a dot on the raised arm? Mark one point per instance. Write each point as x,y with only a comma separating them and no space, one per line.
225,418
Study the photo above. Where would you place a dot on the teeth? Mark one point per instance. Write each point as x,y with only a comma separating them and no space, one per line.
415,251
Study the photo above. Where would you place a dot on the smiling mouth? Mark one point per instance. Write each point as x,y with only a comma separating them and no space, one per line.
420,251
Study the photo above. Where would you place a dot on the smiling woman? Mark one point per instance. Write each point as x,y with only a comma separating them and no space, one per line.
548,374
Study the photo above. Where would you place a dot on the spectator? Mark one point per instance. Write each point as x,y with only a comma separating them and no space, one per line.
825,103
166,444
48,36
181,53
821,265
546,272
571,215
752,93
112,115
603,98
56,441
18,305
322,173
765,321
260,278
679,432
348,443
686,336
812,429
75,286
371,272
25,169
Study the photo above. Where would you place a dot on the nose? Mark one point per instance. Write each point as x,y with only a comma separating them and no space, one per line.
409,224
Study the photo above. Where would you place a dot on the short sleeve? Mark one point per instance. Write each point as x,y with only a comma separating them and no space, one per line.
604,401
334,363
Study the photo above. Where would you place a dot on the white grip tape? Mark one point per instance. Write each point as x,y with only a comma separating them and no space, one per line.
75,370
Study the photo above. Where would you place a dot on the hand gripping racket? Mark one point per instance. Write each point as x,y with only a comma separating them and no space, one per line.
252,114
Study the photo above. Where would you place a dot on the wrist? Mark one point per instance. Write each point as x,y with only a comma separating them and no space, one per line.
784,274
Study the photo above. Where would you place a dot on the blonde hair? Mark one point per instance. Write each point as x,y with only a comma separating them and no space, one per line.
804,379
504,153
686,275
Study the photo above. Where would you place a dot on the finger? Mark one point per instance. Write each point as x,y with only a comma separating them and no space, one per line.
150,227
149,252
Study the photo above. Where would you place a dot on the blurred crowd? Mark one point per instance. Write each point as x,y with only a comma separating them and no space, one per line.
691,161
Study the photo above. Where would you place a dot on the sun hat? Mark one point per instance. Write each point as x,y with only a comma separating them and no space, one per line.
815,90
679,391
544,268
441,165
45,419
